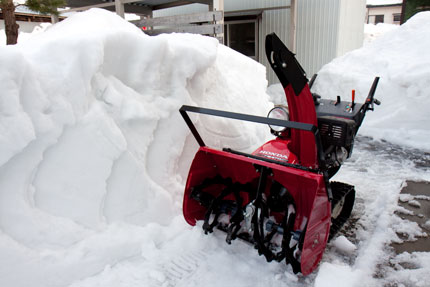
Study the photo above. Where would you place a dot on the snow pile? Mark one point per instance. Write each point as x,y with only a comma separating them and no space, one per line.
411,269
93,146
336,276
344,245
277,94
372,31
400,57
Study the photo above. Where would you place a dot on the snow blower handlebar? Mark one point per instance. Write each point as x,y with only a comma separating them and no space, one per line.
345,109
368,105
250,118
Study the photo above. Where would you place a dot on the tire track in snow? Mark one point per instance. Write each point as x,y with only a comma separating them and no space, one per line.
182,267
159,271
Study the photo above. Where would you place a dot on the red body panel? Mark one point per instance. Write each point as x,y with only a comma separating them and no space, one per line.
277,149
302,109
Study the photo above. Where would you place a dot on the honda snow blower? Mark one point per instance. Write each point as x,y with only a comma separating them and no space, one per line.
279,198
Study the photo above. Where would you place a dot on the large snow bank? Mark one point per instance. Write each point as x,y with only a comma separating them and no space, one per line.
400,57
91,140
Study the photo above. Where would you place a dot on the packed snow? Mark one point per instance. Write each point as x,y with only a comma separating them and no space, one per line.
94,156
372,31
344,245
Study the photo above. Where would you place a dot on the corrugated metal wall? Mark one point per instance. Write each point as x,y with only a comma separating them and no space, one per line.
317,33
277,21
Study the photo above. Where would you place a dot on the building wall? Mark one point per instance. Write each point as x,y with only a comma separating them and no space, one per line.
273,21
317,33
276,21
386,11
350,35
325,28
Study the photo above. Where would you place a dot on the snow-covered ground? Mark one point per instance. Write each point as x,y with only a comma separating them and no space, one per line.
94,155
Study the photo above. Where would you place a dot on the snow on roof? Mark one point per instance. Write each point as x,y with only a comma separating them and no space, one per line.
383,2
25,9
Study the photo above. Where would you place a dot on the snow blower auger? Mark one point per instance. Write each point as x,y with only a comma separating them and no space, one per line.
280,198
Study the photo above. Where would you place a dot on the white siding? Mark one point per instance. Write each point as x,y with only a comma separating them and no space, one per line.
351,29
317,32
276,21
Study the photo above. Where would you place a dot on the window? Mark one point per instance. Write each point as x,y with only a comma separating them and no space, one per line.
242,35
396,17
379,19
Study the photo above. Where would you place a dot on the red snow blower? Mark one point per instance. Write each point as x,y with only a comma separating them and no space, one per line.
279,198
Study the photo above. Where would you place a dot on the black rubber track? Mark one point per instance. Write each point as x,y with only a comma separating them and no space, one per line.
340,190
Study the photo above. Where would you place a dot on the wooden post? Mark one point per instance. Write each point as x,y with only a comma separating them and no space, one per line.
293,30
119,8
